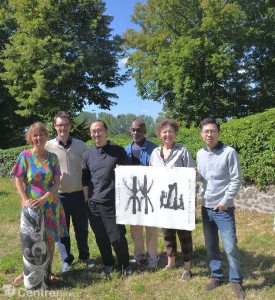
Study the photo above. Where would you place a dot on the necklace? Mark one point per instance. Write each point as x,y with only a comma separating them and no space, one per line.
41,158
165,153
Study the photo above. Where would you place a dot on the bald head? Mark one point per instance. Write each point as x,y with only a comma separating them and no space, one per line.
138,131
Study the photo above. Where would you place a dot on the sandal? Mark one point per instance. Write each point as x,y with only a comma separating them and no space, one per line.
17,280
170,268
186,275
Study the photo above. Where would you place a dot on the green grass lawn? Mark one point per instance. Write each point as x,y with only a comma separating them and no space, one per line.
256,243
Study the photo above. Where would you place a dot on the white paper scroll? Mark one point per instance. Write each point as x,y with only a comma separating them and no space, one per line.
156,196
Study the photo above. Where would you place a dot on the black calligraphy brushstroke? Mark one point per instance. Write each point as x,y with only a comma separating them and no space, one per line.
133,197
144,191
172,198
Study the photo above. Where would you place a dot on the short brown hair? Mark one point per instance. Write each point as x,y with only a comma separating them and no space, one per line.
61,114
39,126
173,123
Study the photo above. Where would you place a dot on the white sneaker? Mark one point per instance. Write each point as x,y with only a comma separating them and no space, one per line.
127,272
89,263
65,267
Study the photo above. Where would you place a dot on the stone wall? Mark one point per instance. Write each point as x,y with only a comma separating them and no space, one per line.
249,198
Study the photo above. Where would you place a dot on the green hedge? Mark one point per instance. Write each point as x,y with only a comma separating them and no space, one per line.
253,137
8,158
190,137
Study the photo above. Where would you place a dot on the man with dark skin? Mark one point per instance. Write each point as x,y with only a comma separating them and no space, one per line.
139,152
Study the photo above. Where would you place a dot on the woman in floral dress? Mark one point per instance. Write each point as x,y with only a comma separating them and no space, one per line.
37,177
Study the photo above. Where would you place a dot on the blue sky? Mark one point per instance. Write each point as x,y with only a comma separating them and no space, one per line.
128,101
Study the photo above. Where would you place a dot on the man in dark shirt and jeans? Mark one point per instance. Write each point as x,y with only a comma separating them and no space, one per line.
99,163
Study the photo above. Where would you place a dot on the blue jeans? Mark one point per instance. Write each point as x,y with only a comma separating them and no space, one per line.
224,221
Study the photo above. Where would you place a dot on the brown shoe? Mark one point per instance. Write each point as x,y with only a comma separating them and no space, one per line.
213,283
239,291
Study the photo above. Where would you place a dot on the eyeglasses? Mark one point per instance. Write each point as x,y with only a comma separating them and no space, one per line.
211,132
97,131
62,125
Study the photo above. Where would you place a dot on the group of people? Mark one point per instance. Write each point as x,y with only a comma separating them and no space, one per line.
64,180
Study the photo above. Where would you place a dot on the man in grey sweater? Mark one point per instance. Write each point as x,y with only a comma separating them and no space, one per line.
219,170
69,151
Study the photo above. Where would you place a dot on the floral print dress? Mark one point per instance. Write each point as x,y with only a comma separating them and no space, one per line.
38,179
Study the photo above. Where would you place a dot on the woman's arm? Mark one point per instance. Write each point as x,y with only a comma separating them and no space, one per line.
54,187
37,203
21,190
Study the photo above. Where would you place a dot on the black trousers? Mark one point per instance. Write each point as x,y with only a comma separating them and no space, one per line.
108,233
76,209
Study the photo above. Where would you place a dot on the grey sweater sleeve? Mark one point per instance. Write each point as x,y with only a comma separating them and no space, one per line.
235,178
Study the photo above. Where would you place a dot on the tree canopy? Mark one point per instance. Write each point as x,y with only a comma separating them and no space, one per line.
204,57
58,55
12,125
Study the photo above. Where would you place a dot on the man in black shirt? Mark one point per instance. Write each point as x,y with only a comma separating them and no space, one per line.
99,163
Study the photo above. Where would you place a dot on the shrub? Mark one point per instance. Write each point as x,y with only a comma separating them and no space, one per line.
121,140
8,158
190,138
253,137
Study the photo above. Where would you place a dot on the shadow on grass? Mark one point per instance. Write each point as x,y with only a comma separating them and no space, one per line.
252,266
258,266
80,276
3,193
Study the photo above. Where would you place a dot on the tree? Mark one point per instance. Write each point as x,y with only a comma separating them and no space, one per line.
12,126
204,57
122,124
119,125
81,125
60,56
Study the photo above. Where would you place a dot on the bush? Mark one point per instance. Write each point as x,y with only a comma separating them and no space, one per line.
253,137
190,138
8,158
121,140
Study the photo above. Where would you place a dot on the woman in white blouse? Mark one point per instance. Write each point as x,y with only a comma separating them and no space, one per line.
171,154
